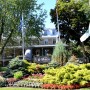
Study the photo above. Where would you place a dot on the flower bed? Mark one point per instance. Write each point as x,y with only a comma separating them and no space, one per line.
64,87
38,76
66,77
10,81
27,83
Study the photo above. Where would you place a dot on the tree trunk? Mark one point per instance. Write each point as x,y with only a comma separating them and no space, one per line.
2,29
2,48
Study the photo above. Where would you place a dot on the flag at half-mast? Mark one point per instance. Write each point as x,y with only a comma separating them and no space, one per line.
85,35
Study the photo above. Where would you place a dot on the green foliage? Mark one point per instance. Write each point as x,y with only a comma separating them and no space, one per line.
88,65
69,74
26,62
74,19
49,79
53,64
50,71
36,68
26,67
73,59
2,81
83,82
3,68
78,51
74,49
18,74
86,8
59,54
14,63
32,68
10,14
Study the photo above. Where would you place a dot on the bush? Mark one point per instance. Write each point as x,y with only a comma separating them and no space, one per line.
59,54
15,65
2,81
34,68
18,74
53,64
3,68
68,75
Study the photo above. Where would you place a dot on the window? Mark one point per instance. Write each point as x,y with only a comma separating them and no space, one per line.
46,41
54,41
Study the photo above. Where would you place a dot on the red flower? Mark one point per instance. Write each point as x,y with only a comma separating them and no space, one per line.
88,84
77,86
62,87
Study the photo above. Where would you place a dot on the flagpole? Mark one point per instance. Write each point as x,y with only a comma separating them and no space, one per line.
22,36
57,22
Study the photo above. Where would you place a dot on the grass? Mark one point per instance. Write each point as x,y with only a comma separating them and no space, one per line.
23,88
19,88
85,89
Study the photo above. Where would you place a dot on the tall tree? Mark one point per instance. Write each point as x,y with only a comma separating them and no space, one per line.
10,14
73,18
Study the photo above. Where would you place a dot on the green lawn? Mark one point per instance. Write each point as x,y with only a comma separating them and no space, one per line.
22,88
85,89
19,88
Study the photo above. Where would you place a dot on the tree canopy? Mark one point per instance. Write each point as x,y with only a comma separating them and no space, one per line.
10,14
73,18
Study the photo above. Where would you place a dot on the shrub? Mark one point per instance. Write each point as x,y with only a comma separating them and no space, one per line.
34,68
53,64
2,81
73,59
14,63
18,74
68,75
59,54
8,73
3,68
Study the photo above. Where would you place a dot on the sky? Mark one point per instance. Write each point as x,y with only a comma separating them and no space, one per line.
48,4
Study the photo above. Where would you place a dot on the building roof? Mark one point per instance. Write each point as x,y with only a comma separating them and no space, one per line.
50,32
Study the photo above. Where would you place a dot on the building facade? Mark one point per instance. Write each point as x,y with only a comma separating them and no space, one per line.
41,49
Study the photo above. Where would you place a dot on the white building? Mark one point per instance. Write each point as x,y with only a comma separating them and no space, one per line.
39,47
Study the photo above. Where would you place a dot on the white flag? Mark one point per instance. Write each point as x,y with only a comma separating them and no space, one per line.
85,35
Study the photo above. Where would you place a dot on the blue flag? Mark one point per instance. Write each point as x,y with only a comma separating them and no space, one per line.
21,24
